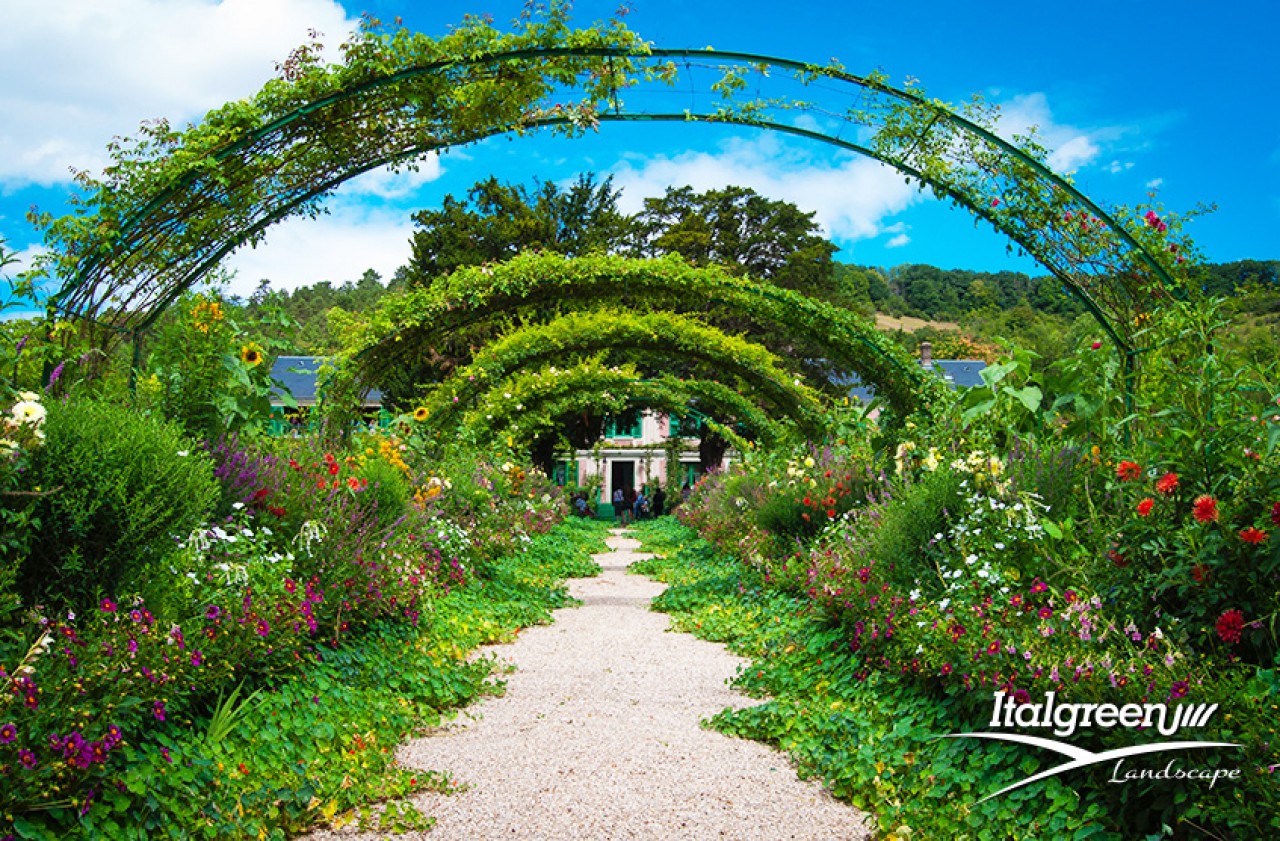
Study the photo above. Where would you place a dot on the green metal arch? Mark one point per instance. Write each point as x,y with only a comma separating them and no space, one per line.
593,385
658,334
106,257
424,317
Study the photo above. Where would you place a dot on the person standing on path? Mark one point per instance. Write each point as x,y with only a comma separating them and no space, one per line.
659,497
619,505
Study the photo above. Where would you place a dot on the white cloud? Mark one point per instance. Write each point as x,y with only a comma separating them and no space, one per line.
78,73
1069,147
898,241
850,196
1155,183
385,184
1116,167
337,247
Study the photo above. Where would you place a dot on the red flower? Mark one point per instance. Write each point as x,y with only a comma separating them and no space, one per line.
1128,471
333,469
276,510
1229,626
261,494
1199,572
1167,484
1205,509
1095,345
1253,536
1144,507
1275,514
353,483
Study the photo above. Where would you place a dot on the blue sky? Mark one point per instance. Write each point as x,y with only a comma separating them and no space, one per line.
1177,97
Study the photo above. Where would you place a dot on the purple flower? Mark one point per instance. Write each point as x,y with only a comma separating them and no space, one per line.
108,606
158,711
197,659
57,372
72,746
22,343
27,758
165,753
7,734
212,613
263,628
1178,689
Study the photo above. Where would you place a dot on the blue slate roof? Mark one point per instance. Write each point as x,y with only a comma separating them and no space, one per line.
298,374
958,373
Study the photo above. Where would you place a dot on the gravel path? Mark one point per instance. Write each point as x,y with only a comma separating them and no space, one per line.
598,737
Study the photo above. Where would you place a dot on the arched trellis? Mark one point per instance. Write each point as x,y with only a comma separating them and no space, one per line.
538,399
658,335
172,206
423,317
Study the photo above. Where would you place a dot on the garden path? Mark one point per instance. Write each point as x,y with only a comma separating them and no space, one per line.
598,737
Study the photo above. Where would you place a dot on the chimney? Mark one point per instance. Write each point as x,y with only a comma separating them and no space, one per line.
926,354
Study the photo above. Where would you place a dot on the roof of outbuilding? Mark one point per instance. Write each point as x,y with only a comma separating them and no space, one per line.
958,373
298,374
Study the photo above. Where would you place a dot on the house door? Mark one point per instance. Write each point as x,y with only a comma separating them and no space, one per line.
622,474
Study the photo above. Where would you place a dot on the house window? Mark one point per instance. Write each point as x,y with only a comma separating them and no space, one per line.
626,425
560,473
674,426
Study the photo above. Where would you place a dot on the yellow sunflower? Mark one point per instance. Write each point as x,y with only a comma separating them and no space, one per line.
251,355
420,413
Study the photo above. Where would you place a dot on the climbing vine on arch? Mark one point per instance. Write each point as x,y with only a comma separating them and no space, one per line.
657,336
475,297
172,204
531,403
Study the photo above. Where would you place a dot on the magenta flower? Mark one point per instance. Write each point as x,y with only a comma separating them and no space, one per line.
263,628
27,758
7,734
159,711
212,613
108,606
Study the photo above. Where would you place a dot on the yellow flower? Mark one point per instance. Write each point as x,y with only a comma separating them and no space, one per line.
420,414
251,355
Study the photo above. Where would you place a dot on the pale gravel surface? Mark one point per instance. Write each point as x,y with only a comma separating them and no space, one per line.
598,737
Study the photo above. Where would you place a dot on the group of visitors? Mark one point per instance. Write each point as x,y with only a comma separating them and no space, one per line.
630,505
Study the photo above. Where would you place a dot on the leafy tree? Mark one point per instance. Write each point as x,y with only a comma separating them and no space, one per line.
737,227
497,221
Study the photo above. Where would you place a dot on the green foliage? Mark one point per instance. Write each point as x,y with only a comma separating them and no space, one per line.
656,337
497,221
410,330
311,746
120,487
206,372
872,739
738,229
388,491
908,530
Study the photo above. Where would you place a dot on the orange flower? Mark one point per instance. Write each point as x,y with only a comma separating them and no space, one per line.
1128,471
1253,536
1205,509
1167,484
1144,507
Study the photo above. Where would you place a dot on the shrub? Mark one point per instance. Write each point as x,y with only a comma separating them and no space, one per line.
387,491
123,489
